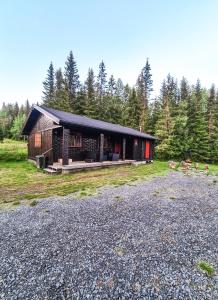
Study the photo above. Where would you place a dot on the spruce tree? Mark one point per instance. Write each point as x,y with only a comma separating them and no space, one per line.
90,94
164,125
184,89
119,90
133,110
72,78
48,86
199,145
61,101
144,88
27,107
81,102
111,86
212,124
101,92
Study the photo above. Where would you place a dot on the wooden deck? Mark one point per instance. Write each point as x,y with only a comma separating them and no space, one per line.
81,165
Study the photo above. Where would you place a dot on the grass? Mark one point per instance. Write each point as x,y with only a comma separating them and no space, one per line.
20,180
33,203
206,268
13,150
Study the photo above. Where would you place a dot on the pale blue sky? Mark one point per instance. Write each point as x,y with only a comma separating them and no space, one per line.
180,37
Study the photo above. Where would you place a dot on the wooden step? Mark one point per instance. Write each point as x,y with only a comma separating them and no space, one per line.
56,168
50,171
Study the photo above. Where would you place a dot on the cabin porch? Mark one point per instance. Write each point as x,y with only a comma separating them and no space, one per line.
76,166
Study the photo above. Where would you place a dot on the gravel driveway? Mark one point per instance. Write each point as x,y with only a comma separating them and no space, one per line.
138,241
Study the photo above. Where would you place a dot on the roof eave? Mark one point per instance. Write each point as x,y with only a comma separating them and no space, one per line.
41,110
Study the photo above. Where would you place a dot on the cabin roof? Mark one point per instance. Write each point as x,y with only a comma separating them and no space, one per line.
65,118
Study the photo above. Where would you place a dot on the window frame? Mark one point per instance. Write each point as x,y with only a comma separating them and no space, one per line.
38,139
74,142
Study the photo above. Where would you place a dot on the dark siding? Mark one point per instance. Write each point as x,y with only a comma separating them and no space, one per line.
42,123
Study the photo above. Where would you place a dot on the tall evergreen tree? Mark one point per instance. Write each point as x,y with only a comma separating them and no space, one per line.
164,125
111,86
27,107
90,94
81,102
133,110
199,141
144,88
212,123
101,91
62,100
72,78
48,86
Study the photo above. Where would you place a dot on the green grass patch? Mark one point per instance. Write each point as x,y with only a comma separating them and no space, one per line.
13,150
20,180
33,203
206,268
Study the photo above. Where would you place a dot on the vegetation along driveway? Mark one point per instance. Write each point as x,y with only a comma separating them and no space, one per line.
153,239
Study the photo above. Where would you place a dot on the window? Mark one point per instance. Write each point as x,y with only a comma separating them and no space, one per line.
75,140
38,140
106,142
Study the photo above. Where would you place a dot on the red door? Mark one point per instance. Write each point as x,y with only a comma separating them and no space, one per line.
147,149
117,148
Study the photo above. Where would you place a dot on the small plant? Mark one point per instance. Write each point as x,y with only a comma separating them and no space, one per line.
214,181
119,251
156,193
206,267
33,203
172,197
119,198
16,202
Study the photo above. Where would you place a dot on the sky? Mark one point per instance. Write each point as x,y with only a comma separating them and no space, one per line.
178,37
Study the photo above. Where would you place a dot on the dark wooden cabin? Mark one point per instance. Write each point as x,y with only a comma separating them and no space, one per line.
61,136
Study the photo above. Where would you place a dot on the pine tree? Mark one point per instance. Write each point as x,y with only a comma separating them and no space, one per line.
90,93
27,107
81,102
119,90
214,135
164,125
144,88
184,89
15,110
179,136
101,80
72,78
48,86
155,110
111,86
212,124
199,144
133,110
101,92
61,101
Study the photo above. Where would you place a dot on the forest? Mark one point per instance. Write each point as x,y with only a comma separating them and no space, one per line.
184,117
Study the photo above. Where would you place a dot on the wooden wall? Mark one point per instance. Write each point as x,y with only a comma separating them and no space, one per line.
42,125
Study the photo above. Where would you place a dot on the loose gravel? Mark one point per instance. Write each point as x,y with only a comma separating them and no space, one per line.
140,241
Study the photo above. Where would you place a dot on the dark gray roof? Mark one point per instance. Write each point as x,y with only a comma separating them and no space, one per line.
61,117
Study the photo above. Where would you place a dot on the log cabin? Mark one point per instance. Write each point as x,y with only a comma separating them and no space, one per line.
63,138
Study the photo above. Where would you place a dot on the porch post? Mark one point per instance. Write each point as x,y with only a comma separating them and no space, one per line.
65,146
101,156
143,149
124,148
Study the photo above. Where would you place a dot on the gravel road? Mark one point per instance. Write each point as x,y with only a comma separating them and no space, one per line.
140,241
